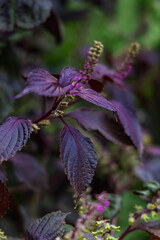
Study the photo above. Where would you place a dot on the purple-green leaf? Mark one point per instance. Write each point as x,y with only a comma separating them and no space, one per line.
78,157
27,169
92,119
95,98
42,83
14,133
48,227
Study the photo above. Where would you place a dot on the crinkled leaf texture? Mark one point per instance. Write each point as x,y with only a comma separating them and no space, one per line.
48,227
4,199
78,157
95,98
91,119
14,133
43,83
126,112
27,169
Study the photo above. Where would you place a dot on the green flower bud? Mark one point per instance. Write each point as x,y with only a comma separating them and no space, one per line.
158,200
138,207
116,228
107,227
2,236
151,206
154,214
145,217
101,222
131,220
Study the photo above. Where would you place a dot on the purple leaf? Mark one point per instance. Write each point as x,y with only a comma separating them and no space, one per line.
42,83
131,125
68,75
149,171
92,119
95,98
48,227
28,170
3,177
127,115
78,157
14,133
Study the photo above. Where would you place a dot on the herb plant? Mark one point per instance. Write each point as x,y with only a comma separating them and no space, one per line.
88,113
77,151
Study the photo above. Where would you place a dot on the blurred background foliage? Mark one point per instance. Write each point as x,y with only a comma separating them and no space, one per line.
61,42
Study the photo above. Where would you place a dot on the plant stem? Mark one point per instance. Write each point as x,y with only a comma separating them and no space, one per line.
125,233
130,229
47,113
